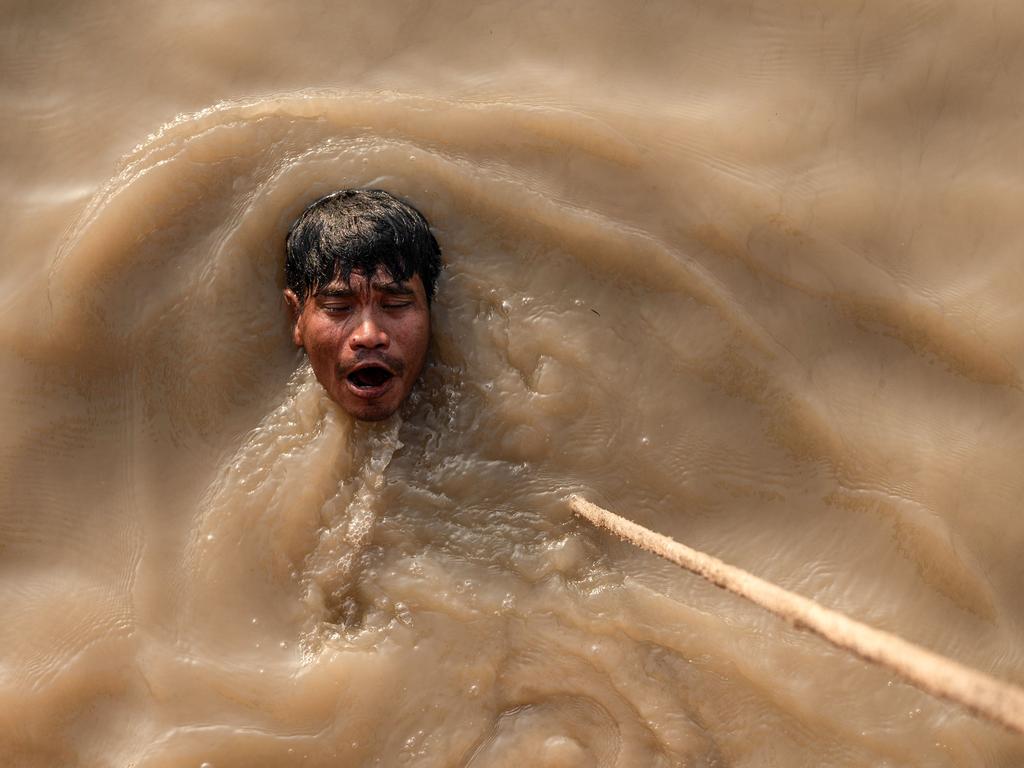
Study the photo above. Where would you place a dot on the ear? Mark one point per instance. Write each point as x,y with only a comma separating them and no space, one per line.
295,310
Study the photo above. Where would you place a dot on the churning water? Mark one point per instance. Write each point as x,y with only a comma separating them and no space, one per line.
749,273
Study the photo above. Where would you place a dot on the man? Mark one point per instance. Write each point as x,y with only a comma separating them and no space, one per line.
361,269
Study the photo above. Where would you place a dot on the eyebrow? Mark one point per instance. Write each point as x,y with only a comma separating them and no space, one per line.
336,293
391,289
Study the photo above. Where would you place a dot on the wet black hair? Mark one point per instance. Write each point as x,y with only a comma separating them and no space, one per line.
359,230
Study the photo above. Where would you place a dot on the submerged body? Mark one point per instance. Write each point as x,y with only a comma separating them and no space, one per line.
706,263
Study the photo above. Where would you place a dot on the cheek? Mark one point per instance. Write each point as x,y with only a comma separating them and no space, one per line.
416,339
323,340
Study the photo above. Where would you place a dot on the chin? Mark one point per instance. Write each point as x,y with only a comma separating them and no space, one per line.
370,414
364,411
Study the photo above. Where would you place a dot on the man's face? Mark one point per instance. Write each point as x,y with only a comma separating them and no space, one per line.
366,340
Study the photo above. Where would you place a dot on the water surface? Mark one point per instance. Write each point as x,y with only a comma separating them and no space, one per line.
748,273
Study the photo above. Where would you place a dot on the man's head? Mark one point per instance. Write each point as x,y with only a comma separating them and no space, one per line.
360,271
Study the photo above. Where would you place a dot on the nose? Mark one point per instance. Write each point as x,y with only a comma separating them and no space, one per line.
369,334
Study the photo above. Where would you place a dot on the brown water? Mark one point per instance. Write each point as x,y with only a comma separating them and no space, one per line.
749,273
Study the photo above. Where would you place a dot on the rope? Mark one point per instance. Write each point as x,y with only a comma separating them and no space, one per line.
940,676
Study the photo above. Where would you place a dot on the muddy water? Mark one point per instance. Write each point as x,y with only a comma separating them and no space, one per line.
749,273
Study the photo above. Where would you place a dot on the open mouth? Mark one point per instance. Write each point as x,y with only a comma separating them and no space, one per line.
370,377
